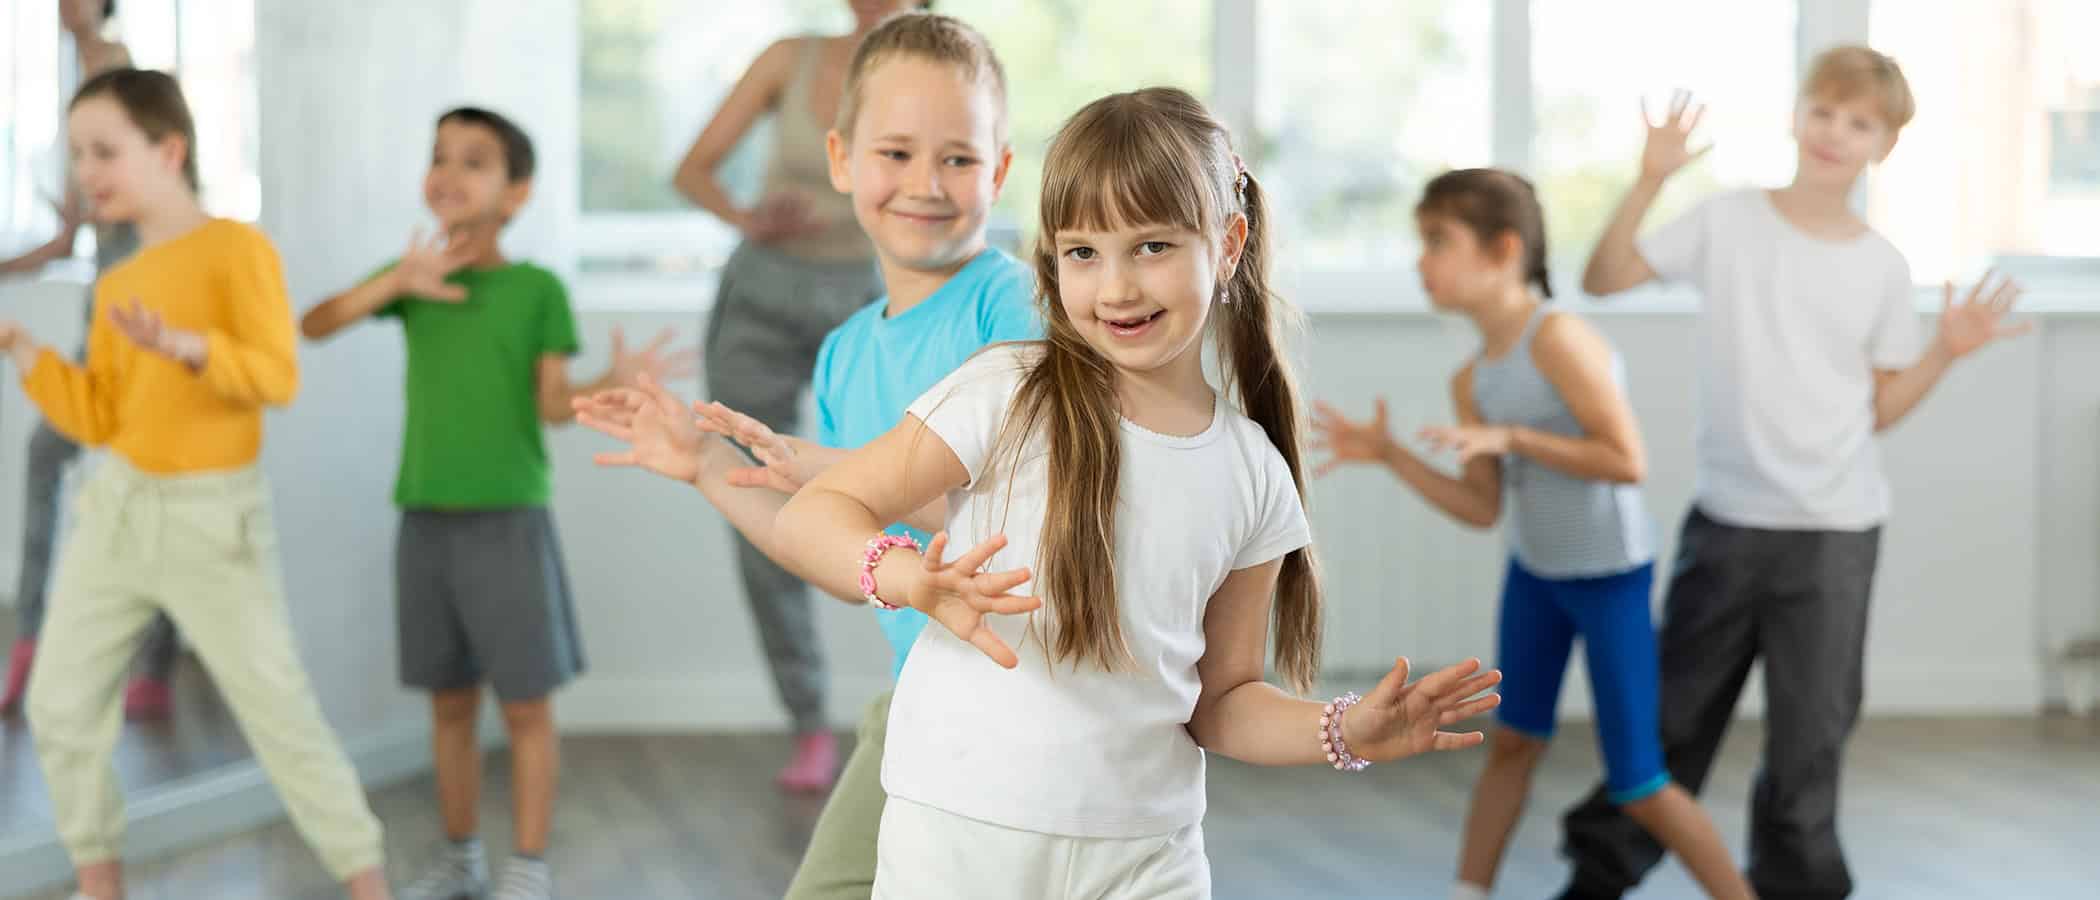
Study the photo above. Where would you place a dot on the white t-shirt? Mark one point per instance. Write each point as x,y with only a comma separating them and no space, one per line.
1790,333
1072,749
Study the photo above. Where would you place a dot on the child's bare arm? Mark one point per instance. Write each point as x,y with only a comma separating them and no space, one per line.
1964,328
1616,265
1577,361
349,307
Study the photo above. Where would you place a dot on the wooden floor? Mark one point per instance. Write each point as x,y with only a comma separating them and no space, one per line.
199,737
1932,809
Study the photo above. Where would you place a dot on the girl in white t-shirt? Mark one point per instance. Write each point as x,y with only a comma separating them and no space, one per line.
1049,742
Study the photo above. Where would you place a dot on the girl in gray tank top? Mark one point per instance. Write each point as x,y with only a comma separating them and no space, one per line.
1548,446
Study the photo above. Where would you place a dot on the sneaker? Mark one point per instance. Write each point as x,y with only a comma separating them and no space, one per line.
461,873
815,764
148,699
525,879
18,662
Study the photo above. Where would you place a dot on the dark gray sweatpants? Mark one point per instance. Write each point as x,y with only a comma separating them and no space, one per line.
770,317
1799,599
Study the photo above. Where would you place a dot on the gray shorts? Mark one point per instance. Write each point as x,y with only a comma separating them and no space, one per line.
481,595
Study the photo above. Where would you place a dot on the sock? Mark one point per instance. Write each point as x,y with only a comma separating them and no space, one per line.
1467,891
468,848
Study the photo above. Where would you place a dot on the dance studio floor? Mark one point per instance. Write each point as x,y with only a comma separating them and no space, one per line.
1934,808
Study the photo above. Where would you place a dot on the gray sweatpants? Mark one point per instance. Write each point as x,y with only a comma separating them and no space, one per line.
770,316
49,455
1799,599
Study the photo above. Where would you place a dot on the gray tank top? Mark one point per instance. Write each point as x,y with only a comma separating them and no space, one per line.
1557,525
799,165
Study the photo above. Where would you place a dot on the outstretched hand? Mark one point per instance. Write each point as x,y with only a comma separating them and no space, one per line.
654,360
959,596
778,467
1668,145
661,436
1398,719
1967,326
152,333
1350,441
1470,441
425,263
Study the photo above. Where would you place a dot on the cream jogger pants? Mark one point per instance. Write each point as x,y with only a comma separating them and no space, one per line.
203,547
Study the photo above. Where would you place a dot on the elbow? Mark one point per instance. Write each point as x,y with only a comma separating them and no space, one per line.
1598,283
1482,519
313,328
1632,469
281,391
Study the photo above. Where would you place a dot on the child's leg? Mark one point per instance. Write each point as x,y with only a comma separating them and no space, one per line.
100,610
1706,646
840,861
760,350
455,751
1680,824
1533,637
223,588
49,453
535,766
1814,630
1619,643
512,594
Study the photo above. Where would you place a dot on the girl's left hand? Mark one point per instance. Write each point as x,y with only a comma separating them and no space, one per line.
777,468
152,333
1471,441
1399,719
651,360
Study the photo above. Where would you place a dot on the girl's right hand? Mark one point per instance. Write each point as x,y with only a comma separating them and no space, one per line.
1350,442
1667,148
959,596
661,435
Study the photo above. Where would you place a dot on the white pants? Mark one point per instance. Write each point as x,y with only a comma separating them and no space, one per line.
923,853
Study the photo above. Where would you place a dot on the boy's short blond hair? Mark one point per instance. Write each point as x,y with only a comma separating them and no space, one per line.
1850,71
931,37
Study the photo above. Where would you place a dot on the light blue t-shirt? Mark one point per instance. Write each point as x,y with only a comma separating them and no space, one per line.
872,367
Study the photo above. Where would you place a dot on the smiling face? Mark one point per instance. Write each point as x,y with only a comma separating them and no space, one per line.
120,169
1837,137
924,163
469,182
1140,295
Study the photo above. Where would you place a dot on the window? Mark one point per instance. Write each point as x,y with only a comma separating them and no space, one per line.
2003,158
1736,58
1357,106
209,47
1344,110
1062,54
652,73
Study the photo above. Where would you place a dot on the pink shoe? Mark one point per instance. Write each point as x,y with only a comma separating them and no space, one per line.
18,662
148,699
815,765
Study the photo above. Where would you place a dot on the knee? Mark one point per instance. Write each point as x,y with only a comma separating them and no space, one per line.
529,716
1510,747
457,708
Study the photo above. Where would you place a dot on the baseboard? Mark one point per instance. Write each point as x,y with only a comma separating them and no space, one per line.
210,806
598,705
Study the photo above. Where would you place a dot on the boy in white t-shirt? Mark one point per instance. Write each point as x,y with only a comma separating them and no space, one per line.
1809,346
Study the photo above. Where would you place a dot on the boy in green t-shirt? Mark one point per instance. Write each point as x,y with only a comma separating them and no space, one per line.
480,590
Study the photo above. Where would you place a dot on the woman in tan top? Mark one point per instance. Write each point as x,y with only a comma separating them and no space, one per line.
803,266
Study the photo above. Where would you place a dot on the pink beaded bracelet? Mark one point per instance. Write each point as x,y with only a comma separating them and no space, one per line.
877,548
1331,735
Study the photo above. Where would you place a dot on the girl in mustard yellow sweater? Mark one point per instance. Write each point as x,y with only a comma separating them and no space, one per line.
191,339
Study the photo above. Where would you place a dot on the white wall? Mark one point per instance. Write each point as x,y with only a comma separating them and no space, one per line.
1983,557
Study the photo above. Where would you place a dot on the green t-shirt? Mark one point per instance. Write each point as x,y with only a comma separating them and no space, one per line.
473,437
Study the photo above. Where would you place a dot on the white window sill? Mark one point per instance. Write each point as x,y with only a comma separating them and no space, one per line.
1332,294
